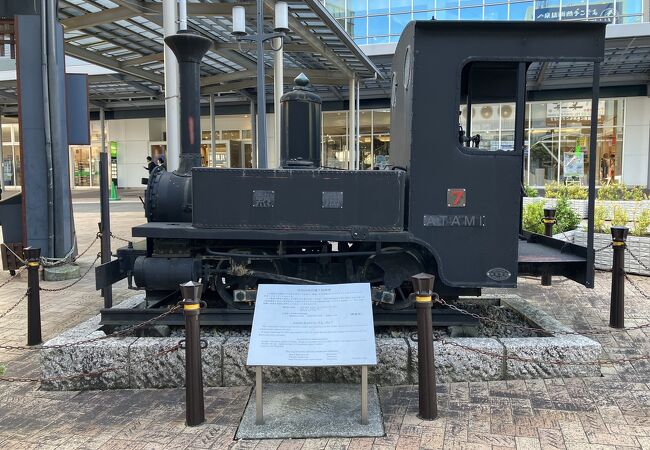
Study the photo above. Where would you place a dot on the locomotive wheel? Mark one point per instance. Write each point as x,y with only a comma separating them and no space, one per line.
226,283
394,268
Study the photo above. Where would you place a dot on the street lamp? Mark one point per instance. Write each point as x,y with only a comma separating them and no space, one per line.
281,27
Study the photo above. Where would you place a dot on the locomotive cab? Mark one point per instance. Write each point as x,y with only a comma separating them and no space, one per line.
466,189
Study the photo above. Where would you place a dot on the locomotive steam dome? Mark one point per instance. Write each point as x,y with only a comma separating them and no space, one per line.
300,142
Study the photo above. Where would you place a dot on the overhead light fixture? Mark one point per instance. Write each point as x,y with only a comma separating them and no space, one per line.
238,21
281,17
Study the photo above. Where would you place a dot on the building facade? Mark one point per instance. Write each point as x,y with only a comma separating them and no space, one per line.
557,130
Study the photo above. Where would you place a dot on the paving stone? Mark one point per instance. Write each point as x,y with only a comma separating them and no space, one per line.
559,412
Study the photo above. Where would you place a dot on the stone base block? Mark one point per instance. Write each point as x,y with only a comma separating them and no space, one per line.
224,359
61,273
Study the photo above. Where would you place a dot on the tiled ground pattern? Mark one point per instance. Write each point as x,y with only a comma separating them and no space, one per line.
611,412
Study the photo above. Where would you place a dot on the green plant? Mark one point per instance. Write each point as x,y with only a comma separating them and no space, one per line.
600,215
617,191
619,217
530,191
635,193
532,217
610,192
577,192
641,223
2,370
558,190
567,219
554,190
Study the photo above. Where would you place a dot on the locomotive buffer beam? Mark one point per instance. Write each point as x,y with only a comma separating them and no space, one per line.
234,317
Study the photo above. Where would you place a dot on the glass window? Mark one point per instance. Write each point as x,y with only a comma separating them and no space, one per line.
230,134
378,7
365,148
521,11
398,22
380,39
336,7
6,133
423,15
496,12
421,5
94,164
544,159
365,122
359,27
489,126
81,165
471,13
335,139
447,14
400,6
8,164
465,3
357,8
381,121
377,25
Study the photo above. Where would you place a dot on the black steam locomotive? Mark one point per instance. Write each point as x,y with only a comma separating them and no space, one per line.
446,206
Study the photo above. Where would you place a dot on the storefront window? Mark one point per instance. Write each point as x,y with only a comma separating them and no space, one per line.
8,172
335,140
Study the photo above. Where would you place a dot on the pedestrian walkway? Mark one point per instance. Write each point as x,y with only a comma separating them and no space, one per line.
609,412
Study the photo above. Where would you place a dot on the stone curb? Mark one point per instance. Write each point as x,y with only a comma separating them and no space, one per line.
224,360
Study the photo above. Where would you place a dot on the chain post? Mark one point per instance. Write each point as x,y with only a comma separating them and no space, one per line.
194,403
549,221
33,257
428,404
617,306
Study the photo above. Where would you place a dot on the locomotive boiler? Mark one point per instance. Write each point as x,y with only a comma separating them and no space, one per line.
446,205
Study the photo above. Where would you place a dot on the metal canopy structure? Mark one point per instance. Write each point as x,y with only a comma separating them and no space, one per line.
126,36
626,63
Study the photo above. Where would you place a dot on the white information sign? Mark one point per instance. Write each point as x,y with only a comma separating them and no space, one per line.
313,325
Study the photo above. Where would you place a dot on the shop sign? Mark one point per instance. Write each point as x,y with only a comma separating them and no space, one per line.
602,12
574,164
579,110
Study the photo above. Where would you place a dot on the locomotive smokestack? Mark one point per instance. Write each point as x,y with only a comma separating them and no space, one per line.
189,48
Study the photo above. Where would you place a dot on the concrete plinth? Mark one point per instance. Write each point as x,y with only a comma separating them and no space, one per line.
61,273
312,411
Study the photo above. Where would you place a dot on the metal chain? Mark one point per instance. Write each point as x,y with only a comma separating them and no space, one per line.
120,238
437,299
13,277
75,281
97,236
47,262
20,260
100,338
95,373
636,258
603,248
636,286
14,305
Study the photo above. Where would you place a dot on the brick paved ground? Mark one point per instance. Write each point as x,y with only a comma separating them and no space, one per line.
602,413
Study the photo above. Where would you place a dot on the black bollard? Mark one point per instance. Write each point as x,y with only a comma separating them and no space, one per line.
617,306
194,407
33,257
105,224
428,404
549,220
